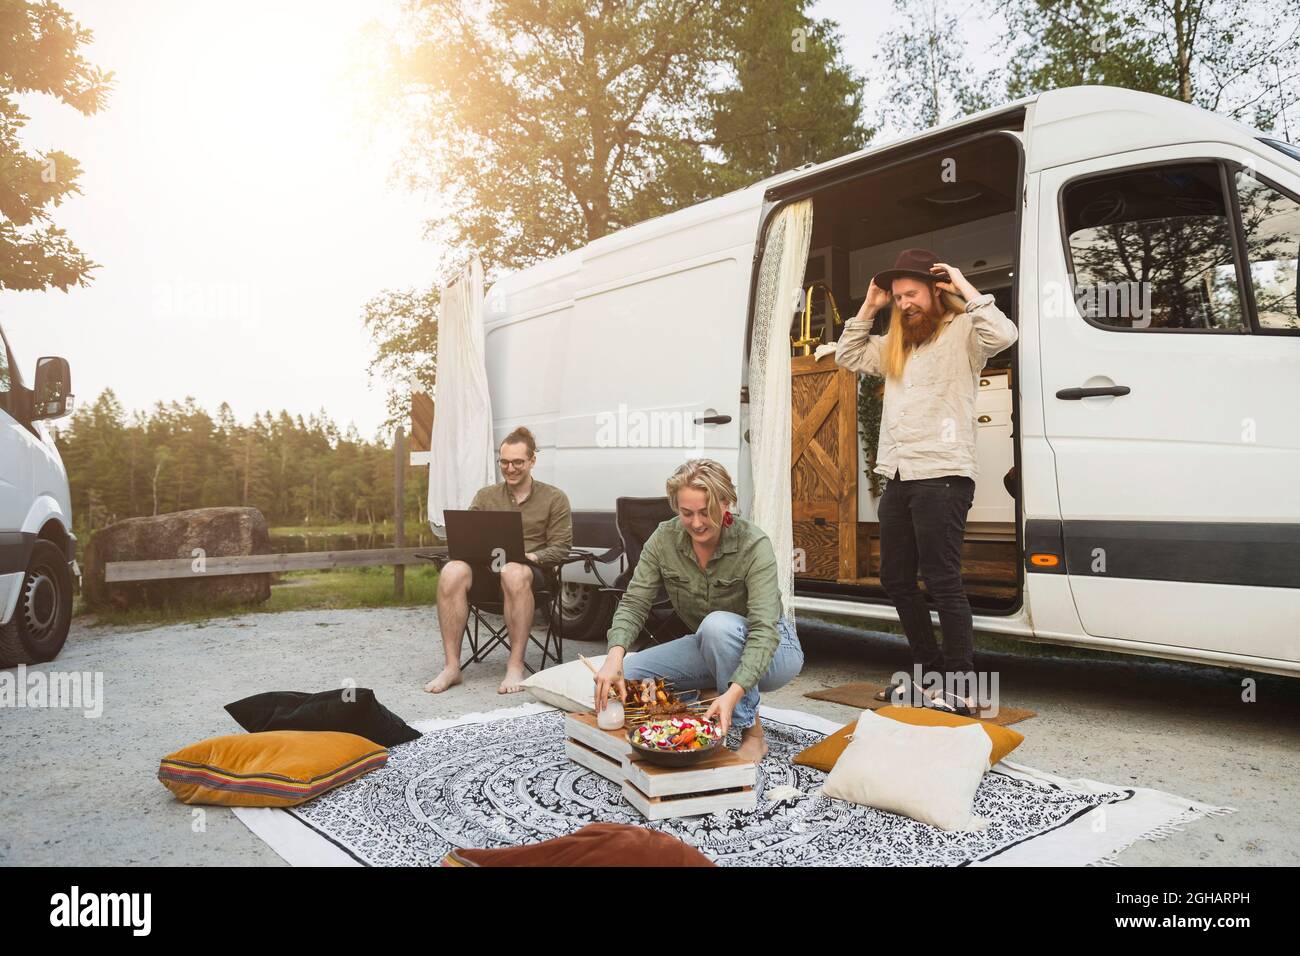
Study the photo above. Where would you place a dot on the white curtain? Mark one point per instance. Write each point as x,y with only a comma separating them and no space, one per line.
462,455
780,285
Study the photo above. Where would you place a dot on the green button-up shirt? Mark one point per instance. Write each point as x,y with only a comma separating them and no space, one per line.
740,577
548,523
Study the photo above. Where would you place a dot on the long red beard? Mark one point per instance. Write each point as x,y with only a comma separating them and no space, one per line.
918,329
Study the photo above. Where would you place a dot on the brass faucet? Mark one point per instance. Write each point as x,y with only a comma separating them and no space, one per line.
807,341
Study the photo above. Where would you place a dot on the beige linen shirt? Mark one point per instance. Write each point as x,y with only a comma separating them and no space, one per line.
927,428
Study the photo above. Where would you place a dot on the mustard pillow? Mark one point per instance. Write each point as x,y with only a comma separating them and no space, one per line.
823,754
278,768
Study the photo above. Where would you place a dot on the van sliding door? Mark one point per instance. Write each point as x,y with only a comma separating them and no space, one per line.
651,369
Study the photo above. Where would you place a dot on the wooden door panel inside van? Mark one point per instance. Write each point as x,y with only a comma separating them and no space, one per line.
824,468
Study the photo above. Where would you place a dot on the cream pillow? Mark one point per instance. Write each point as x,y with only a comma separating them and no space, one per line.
568,686
926,773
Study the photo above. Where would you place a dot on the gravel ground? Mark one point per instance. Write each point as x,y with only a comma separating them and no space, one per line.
83,791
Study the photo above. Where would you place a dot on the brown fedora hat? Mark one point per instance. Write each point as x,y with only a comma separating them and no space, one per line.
913,263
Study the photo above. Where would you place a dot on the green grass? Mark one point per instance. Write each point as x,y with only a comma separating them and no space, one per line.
296,591
383,527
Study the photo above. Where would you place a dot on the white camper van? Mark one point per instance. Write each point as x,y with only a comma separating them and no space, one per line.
37,547
1139,447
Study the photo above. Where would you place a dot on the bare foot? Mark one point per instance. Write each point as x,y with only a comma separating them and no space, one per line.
449,677
514,681
753,745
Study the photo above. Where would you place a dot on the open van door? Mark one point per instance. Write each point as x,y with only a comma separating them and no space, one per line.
1170,352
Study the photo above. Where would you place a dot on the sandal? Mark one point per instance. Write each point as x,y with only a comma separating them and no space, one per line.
891,692
957,705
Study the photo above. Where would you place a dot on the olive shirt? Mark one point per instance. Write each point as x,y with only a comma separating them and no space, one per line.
741,578
548,524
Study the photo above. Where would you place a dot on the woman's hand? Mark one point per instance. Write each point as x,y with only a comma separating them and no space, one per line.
723,706
876,299
610,676
957,283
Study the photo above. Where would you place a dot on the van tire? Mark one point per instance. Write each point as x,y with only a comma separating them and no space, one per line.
44,611
12,652
587,612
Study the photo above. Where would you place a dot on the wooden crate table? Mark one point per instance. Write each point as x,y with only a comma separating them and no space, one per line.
723,782
599,750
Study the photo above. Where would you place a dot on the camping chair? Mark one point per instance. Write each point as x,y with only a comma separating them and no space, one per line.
637,519
485,597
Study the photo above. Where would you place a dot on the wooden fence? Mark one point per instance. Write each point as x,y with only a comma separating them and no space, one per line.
116,572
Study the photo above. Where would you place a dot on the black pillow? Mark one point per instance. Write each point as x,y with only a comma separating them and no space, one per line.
295,710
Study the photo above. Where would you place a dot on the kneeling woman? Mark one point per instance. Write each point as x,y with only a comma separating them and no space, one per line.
720,574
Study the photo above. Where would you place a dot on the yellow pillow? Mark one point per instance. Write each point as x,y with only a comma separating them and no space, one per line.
822,755
278,768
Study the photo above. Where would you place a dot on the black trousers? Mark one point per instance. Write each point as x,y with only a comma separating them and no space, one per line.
922,527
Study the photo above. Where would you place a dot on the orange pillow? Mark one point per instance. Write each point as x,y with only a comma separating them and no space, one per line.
278,768
822,755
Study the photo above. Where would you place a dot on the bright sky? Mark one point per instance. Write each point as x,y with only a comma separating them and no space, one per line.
239,207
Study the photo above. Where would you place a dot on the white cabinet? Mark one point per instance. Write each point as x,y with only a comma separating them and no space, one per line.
994,449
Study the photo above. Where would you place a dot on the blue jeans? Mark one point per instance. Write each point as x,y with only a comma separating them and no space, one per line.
706,660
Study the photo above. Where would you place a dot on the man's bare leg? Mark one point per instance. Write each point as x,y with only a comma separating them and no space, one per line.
753,745
517,588
453,610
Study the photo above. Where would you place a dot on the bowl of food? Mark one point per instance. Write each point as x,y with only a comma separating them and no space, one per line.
677,740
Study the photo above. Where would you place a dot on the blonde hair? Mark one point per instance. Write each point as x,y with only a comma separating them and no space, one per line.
706,475
894,350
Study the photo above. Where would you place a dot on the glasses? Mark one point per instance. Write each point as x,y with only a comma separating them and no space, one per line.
508,463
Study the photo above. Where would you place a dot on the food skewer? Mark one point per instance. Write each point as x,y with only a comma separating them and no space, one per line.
666,701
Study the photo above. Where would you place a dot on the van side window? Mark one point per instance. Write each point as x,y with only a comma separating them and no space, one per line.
1270,220
1151,248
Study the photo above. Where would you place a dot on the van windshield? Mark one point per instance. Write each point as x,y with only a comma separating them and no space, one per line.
1287,148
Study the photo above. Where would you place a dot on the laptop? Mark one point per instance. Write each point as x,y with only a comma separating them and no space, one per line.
490,538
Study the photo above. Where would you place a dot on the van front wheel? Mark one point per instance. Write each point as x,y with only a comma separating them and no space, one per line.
587,612
44,612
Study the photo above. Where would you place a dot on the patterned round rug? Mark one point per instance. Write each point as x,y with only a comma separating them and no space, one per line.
506,781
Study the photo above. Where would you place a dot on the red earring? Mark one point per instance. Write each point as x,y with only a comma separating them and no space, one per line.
727,518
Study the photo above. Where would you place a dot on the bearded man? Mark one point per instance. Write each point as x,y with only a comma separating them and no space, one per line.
941,332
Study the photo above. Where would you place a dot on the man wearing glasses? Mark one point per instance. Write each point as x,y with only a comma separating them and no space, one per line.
548,534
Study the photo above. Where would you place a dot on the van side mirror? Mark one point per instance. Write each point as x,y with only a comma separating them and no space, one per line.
52,394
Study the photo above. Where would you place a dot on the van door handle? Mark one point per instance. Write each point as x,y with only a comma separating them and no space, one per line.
1074,394
713,420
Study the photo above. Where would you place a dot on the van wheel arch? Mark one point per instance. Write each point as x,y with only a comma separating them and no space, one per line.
55,533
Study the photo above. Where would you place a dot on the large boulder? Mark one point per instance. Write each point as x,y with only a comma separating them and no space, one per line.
220,532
